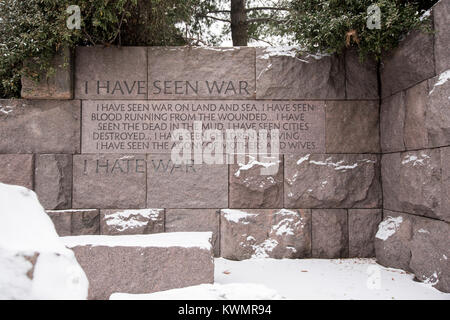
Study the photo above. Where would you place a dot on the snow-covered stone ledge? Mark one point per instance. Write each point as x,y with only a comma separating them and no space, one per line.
143,263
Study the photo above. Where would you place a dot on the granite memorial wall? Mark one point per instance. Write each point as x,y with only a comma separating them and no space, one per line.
94,142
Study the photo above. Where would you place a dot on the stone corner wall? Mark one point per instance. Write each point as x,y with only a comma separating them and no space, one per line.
415,142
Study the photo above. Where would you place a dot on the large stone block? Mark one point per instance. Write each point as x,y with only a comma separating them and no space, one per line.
281,74
413,183
249,188
393,240
415,135
410,63
109,181
390,177
111,73
143,263
185,186
201,73
195,220
329,233
362,227
75,222
332,181
140,221
444,210
352,127
62,220
265,233
56,86
441,12
43,126
392,123
438,110
361,80
53,180
17,169
430,252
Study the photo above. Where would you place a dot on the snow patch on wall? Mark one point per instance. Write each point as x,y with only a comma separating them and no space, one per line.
388,227
443,78
131,219
415,160
262,250
236,215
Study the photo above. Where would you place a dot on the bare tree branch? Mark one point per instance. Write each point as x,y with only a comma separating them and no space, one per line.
266,8
265,20
220,11
215,18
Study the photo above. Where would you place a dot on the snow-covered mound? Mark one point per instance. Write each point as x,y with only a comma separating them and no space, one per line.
232,291
34,263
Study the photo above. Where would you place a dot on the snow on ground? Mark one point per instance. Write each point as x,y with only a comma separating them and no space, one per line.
298,279
200,240
232,291
34,263
326,279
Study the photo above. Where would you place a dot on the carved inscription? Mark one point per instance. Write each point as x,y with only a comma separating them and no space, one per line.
146,126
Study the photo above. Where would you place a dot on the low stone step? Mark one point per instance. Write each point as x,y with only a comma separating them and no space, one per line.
143,263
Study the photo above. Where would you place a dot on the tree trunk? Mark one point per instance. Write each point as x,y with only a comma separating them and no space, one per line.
239,27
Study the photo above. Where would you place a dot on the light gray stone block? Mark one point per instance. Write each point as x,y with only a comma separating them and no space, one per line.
39,126
284,75
53,180
352,127
17,169
111,73
201,73
269,233
109,181
332,181
330,233
195,220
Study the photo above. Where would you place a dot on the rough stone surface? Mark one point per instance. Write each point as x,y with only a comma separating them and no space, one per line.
43,126
265,233
125,68
185,186
410,63
392,123
85,222
195,220
57,86
53,180
415,135
17,169
329,233
75,222
109,181
363,225
141,221
282,75
360,77
438,110
62,220
390,177
444,210
441,12
143,269
412,183
393,240
251,189
430,252
332,181
233,69
352,127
